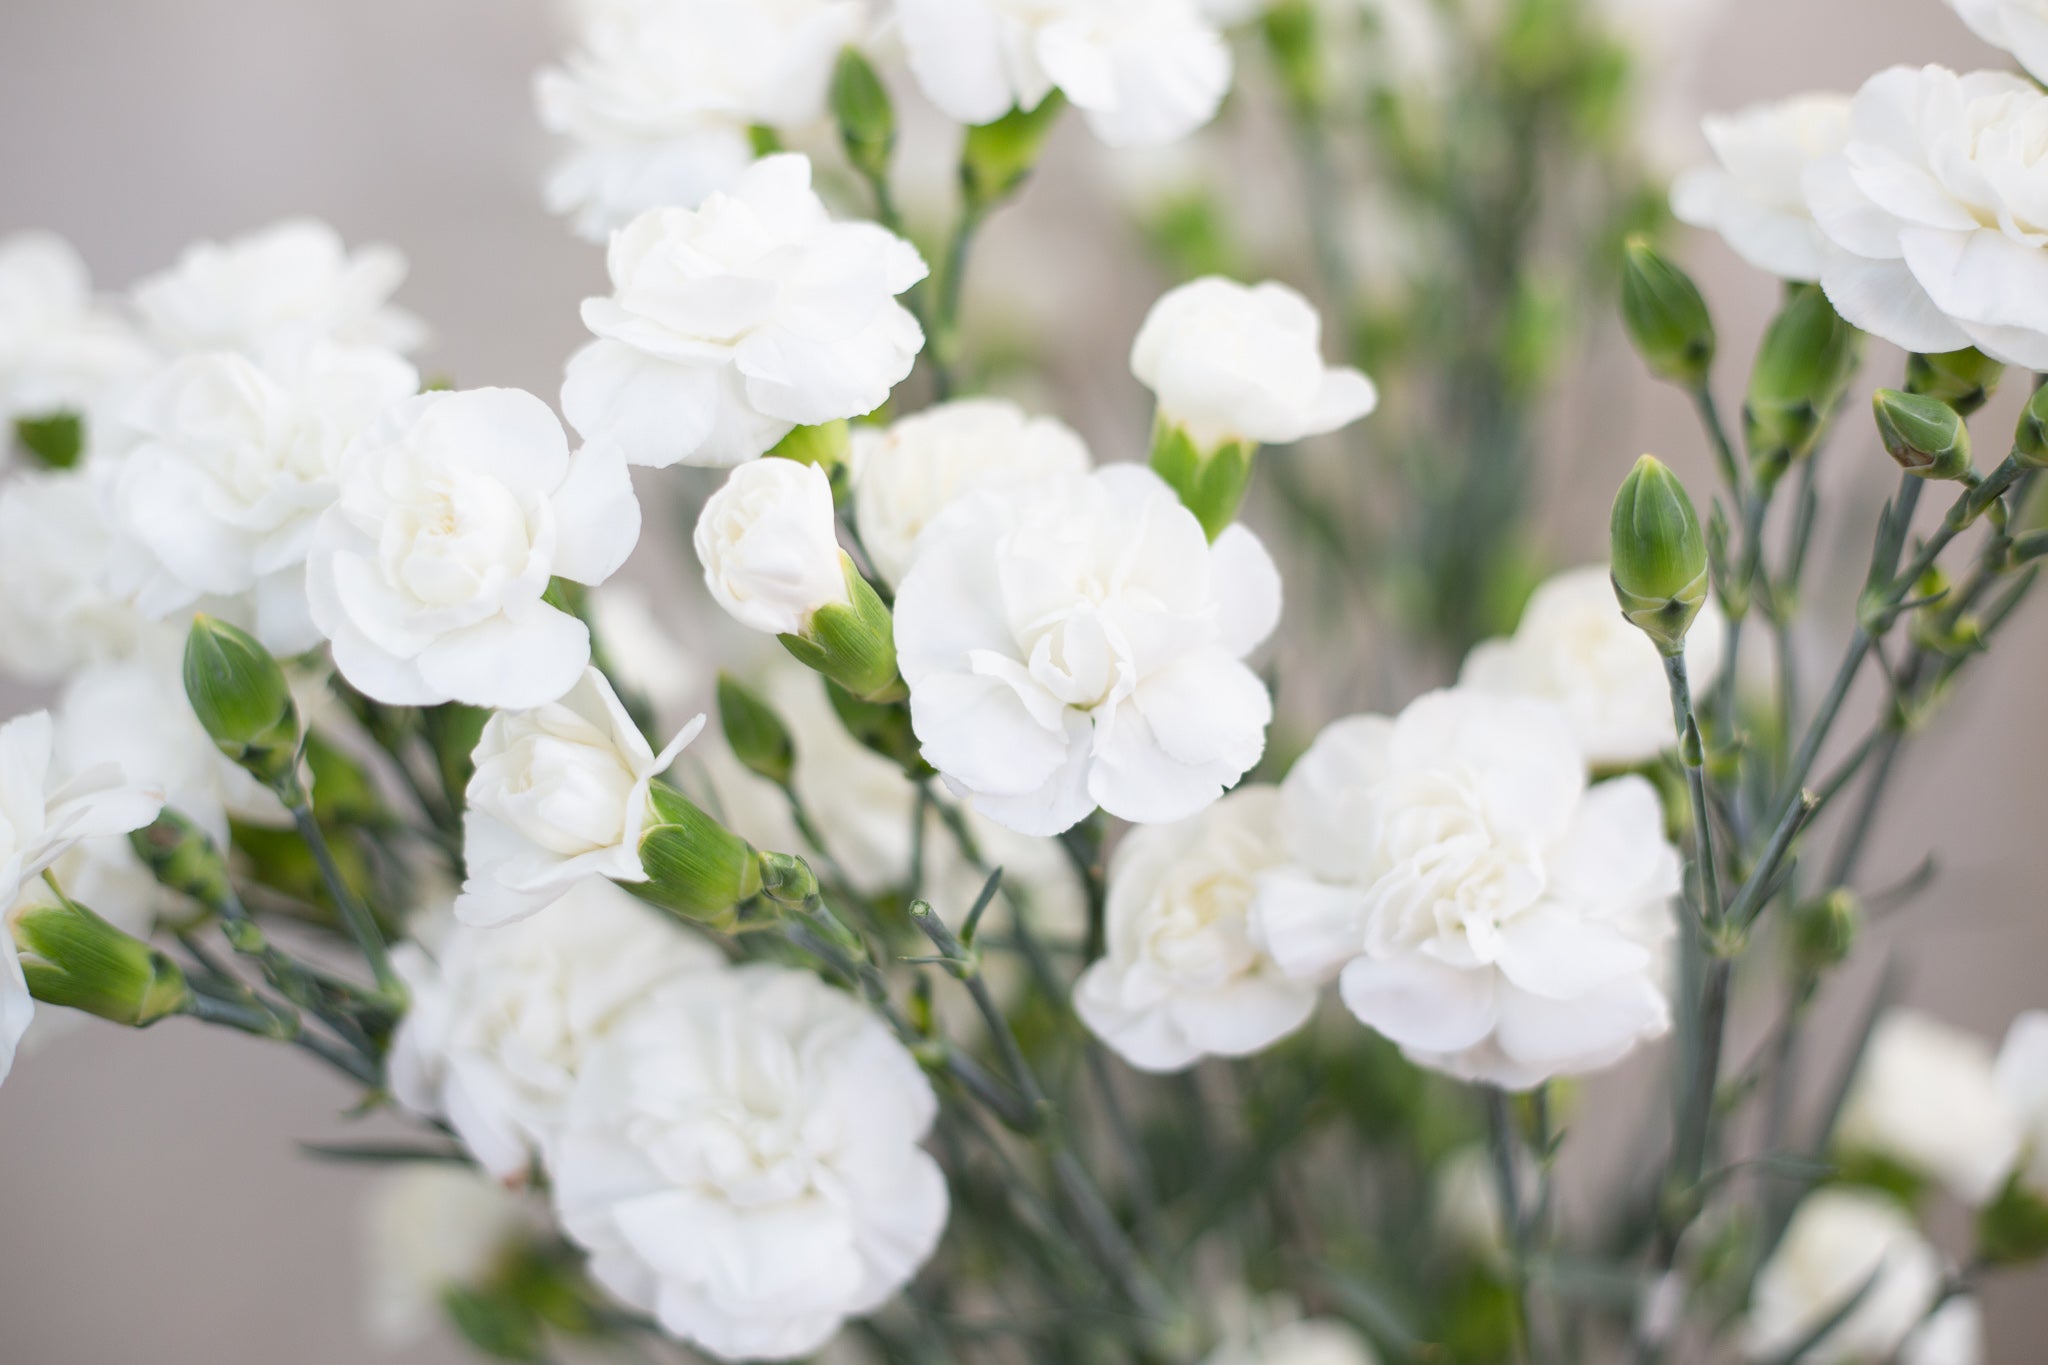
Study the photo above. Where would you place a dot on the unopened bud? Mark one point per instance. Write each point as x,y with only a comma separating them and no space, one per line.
183,857
1211,482
999,157
1965,379
1802,369
239,694
1658,554
753,731
1824,930
2030,442
1667,319
867,121
853,643
1925,435
2013,1228
787,879
73,958
695,866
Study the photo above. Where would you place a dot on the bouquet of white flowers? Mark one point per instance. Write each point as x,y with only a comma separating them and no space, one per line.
985,935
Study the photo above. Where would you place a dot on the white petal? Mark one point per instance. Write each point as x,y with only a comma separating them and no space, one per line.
1421,1003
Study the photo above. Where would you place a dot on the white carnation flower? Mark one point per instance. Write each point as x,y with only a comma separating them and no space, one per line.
1575,648
430,1228
1933,214
768,541
1925,1096
740,1159
906,474
1234,362
1312,1341
1756,197
502,1019
2016,26
455,511
1143,72
1184,978
1080,643
57,610
61,351
732,324
236,461
561,793
1490,912
659,101
2022,1077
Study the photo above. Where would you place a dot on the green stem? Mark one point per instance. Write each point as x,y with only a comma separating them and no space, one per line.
362,925
1508,1189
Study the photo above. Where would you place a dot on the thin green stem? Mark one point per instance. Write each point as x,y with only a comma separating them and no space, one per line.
362,925
1689,742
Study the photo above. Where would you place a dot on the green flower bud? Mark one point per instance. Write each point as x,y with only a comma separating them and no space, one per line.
495,1325
1211,483
867,121
1667,319
757,736
853,643
787,879
74,958
1824,930
1925,435
184,858
2030,442
1658,554
239,694
825,446
1965,379
696,867
56,441
2013,1228
1802,369
999,157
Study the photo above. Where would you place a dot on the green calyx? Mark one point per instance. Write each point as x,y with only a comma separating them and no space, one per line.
73,958
696,868
866,119
1925,435
1965,379
853,643
754,732
1212,482
1808,356
1658,554
239,694
1667,318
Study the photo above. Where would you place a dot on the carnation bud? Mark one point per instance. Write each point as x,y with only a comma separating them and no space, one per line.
1667,319
999,157
239,694
56,441
1802,369
2030,442
753,731
695,866
787,879
183,857
2013,1228
1965,379
1658,554
1211,483
1925,435
854,643
867,121
1824,930
75,959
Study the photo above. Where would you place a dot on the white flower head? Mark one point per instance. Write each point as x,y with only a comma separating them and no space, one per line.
1575,648
906,474
1183,978
732,324
561,793
503,1018
455,511
1840,1241
432,1227
61,351
1756,196
294,278
234,464
2022,1078
741,1159
1925,1096
658,101
1078,642
769,546
1143,72
58,611
1936,229
1234,362
2016,26
1484,907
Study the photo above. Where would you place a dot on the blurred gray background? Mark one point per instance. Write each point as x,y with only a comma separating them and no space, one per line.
152,1204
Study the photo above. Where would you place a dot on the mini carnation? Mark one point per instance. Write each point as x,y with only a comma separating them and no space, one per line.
1143,72
906,474
293,279
61,351
431,1228
1926,1097
561,793
732,324
1756,196
2021,1075
1184,978
1233,362
57,609
1080,643
2016,26
659,102
503,1019
740,1158
1482,906
234,464
769,546
455,511
1575,648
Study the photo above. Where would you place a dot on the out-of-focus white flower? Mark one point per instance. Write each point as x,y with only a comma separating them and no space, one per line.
732,324
503,1019
560,795
1234,362
1933,217
430,1228
1183,978
1080,643
1575,648
2022,1077
770,548
235,463
643,656
1143,72
292,279
658,101
57,610
1465,1199
905,475
1840,1241
740,1159
456,509
1756,197
1314,1341
1226,13
60,350
1490,912
1925,1096
2016,26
